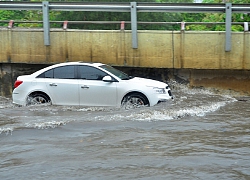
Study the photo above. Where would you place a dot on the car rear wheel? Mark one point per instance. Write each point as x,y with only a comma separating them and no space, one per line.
134,100
37,98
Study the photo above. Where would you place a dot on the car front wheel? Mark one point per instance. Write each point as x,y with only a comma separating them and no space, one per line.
37,98
134,100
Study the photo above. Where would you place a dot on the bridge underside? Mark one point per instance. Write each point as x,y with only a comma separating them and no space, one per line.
234,82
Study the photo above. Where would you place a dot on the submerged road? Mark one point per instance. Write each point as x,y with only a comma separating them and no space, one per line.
199,135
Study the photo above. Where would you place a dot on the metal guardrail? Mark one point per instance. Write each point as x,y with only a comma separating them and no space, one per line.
133,8
125,7
12,22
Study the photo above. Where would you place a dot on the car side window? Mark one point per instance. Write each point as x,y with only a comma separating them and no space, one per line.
91,73
64,72
49,74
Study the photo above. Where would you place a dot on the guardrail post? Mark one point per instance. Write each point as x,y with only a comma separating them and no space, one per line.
46,26
133,9
246,28
11,24
182,26
122,25
228,26
65,25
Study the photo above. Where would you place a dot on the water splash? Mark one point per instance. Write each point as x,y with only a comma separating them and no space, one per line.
45,125
6,131
187,102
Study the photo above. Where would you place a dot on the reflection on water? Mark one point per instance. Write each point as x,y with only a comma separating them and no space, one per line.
198,135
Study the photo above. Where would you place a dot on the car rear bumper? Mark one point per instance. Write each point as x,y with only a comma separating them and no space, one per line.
18,99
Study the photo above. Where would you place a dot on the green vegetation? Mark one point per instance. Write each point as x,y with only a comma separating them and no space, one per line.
141,17
218,17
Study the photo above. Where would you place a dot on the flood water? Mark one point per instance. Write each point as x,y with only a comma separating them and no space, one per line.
201,134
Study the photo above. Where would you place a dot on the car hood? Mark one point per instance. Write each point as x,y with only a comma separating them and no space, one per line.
148,82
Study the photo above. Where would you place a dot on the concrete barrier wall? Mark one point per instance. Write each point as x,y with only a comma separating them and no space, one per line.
197,58
159,49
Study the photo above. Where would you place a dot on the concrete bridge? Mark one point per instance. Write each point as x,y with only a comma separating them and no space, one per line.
196,57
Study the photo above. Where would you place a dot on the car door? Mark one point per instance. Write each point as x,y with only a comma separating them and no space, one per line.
93,90
62,85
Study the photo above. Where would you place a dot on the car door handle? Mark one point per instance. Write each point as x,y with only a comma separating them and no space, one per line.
84,87
53,84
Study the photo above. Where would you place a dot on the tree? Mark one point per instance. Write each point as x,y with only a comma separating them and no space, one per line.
123,16
220,17
7,15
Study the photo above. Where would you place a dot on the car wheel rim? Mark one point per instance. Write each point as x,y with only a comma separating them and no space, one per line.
133,102
36,100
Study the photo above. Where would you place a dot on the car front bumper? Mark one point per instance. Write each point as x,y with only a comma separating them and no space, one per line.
164,97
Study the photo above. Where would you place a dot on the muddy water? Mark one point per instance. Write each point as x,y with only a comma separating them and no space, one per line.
198,135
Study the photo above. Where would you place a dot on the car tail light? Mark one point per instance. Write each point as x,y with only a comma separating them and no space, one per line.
17,83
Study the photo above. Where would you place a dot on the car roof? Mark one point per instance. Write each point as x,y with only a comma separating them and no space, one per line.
78,63
81,63
66,64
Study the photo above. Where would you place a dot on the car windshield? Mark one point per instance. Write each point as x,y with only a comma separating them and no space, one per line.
116,72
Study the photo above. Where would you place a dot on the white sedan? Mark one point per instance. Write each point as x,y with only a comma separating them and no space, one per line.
88,84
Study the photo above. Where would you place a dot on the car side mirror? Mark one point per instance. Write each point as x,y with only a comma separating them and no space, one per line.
107,79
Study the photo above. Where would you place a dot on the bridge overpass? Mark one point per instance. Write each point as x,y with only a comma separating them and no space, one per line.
198,58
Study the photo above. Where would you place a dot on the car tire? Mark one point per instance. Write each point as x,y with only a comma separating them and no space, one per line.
37,98
134,100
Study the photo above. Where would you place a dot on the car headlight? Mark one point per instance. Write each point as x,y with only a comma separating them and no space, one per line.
159,90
